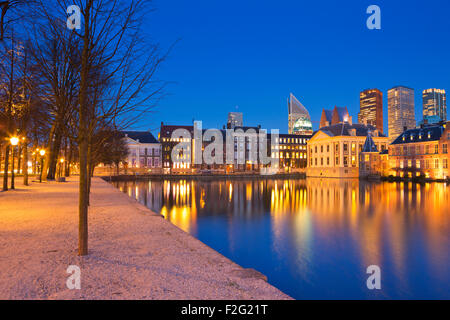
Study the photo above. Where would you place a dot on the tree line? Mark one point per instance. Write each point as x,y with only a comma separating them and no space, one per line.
65,94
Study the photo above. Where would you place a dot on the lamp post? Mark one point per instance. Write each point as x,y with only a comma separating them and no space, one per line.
42,153
61,164
14,142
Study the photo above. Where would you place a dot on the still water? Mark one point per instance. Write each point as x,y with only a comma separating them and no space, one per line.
315,238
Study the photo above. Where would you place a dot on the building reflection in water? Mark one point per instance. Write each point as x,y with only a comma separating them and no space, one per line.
297,230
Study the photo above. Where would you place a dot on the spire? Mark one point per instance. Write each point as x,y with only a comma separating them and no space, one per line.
369,145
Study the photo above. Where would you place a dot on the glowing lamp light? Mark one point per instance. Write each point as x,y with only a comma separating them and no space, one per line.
14,141
42,152
61,160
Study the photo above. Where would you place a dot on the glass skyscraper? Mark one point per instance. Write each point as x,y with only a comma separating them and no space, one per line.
371,108
401,113
299,119
434,104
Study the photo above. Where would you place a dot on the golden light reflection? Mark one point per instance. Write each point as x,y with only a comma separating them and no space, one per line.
378,218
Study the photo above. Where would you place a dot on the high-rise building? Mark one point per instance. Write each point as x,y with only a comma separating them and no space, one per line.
434,104
401,115
371,108
299,119
235,119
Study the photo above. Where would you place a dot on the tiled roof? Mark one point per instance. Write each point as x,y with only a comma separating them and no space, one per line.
427,133
344,129
142,136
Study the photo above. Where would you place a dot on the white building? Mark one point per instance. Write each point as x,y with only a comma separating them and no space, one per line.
144,149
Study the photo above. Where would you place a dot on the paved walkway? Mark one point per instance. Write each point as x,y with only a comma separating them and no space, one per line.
134,253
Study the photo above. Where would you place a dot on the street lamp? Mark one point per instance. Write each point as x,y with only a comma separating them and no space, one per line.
61,161
14,142
42,153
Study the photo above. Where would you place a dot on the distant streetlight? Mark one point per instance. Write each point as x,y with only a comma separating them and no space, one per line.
14,142
42,153
61,166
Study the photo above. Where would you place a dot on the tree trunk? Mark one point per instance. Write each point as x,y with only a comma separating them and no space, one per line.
83,200
25,163
5,171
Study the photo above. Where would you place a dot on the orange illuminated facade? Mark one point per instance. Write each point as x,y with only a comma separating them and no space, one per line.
421,152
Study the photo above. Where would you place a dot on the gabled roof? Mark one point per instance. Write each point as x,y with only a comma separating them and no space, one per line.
344,129
142,136
427,133
369,145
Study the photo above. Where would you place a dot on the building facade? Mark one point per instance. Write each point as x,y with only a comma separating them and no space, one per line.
299,118
144,150
421,152
334,151
401,115
434,104
371,108
240,152
235,119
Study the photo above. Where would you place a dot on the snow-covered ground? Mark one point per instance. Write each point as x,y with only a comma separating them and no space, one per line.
134,253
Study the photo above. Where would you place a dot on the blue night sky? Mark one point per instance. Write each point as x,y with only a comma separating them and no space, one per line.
252,54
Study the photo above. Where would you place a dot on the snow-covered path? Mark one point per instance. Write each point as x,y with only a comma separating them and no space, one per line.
134,253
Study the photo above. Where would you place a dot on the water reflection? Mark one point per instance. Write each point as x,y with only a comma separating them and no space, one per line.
315,238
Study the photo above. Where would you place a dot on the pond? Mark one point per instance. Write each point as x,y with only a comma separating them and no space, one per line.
315,238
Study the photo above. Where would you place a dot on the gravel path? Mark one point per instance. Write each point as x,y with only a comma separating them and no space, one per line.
134,253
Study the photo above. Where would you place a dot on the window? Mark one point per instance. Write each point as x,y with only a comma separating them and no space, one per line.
345,161
427,149
444,148
436,163
316,161
328,148
353,161
418,164
328,161
409,163
445,164
337,161
321,149
336,147
436,149
321,161
316,149
353,147
345,147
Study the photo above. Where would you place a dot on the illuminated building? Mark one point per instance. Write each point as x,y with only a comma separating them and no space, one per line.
372,162
421,152
299,119
144,150
235,119
401,115
291,151
335,116
371,108
434,104
333,151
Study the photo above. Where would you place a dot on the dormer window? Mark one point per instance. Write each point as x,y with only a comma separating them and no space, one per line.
429,135
411,137
420,136
403,138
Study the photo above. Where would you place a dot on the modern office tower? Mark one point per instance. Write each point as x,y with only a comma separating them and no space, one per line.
401,114
299,119
371,108
235,119
434,104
